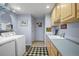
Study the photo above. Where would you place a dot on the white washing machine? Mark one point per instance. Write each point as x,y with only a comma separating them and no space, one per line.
20,45
20,48
7,48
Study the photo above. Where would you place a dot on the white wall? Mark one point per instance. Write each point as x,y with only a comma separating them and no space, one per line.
14,22
72,31
23,30
47,22
5,18
33,28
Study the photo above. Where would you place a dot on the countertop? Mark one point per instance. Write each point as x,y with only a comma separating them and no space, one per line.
4,40
66,47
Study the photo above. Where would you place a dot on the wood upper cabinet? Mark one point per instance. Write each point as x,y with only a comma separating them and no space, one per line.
77,10
58,14
53,16
67,12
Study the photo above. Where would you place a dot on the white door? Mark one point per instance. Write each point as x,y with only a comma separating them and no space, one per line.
39,30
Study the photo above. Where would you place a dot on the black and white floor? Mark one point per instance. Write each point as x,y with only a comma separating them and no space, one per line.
37,51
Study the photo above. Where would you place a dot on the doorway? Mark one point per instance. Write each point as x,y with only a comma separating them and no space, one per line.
39,30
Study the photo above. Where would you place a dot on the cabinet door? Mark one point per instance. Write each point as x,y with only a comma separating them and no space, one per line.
63,11
53,16
53,50
57,14
59,54
49,48
67,11
77,10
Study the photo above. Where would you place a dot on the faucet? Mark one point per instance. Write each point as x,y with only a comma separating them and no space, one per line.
63,34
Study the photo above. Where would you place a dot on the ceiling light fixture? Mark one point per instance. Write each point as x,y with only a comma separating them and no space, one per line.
47,6
17,8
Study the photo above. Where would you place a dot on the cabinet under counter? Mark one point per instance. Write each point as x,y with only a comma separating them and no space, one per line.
61,47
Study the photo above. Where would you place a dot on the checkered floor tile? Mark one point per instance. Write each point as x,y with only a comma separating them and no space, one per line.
38,51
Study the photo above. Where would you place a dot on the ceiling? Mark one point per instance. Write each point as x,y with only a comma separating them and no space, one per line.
36,9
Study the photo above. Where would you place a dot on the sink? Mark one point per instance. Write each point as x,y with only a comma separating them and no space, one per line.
55,37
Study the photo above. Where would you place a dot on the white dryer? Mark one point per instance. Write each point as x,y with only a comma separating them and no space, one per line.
20,48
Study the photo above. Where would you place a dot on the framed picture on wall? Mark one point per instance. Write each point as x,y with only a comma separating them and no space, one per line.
23,22
64,26
39,24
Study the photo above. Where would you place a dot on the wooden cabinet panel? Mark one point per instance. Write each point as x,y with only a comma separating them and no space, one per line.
77,10
59,54
53,50
58,11
63,11
67,12
48,46
49,49
53,16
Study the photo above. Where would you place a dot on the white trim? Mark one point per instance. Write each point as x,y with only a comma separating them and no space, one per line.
28,44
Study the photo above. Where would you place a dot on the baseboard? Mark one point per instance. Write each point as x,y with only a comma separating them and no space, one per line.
28,44
37,41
